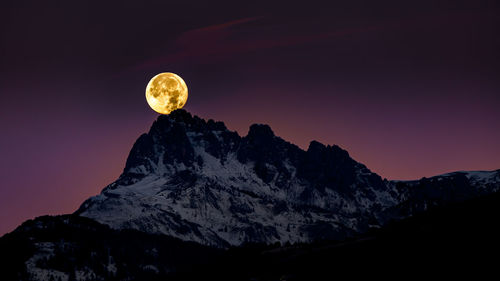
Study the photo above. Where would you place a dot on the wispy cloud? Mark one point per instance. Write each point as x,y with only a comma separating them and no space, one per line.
223,41
216,41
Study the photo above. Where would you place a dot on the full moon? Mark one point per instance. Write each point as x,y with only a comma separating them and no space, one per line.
166,92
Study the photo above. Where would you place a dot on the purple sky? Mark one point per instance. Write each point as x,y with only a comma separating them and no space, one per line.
409,89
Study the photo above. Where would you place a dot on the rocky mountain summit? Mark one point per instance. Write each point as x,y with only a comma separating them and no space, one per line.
195,180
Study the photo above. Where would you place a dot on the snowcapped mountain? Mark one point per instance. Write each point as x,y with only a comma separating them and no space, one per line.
197,181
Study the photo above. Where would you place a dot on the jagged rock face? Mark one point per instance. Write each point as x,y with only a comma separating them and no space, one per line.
198,181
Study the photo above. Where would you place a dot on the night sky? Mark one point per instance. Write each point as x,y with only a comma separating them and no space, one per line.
409,88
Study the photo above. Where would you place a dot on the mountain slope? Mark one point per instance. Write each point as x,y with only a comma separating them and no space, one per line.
71,248
442,241
197,181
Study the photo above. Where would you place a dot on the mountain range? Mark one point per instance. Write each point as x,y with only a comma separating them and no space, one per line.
192,186
198,181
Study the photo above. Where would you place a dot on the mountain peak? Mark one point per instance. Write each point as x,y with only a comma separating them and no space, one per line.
316,146
190,122
176,116
260,131
179,114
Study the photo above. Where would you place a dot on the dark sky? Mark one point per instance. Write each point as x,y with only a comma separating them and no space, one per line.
410,88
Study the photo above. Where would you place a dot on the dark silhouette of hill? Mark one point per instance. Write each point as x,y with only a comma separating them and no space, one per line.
451,241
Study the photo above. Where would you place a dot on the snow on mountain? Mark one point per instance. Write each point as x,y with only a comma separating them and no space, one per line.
196,180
